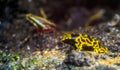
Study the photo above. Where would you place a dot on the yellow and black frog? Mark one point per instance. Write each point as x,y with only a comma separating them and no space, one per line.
84,42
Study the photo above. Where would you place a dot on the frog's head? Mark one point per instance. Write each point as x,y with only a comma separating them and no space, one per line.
69,38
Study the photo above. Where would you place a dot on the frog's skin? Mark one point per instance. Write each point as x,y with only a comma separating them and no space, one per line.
83,42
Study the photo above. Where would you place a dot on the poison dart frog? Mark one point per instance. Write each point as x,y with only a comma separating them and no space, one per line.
84,42
41,24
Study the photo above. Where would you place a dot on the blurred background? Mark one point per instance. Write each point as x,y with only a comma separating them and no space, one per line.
63,12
